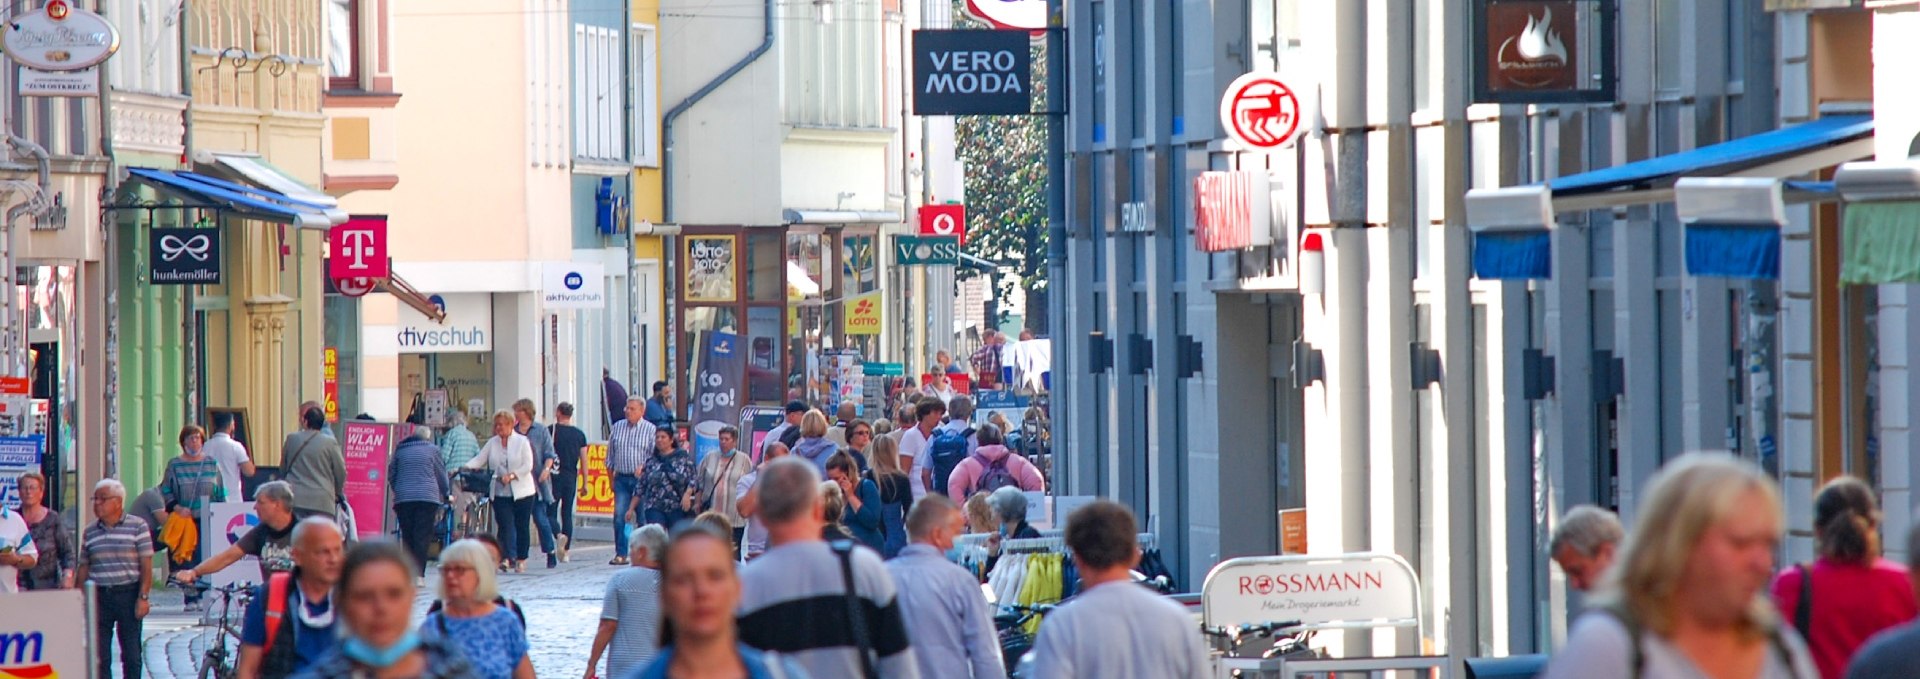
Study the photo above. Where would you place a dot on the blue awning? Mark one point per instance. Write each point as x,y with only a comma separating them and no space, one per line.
246,202
1720,159
1512,255
1733,250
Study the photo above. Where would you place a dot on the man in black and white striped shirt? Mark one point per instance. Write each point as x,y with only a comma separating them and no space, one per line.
794,598
117,555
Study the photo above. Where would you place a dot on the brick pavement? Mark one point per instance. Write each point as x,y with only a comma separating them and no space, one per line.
562,607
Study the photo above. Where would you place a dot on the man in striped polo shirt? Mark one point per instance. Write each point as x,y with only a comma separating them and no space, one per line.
795,599
117,554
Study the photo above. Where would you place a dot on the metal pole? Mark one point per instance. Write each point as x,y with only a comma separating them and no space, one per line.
1057,206
1348,380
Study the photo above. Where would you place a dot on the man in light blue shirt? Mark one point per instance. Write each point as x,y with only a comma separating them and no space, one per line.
947,616
627,451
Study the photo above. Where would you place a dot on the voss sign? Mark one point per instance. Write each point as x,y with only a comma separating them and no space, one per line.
962,72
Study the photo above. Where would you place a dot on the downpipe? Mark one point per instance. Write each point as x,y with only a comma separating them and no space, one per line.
36,203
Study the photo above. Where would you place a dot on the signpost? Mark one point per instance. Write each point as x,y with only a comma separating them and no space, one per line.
184,257
1260,111
358,249
944,220
967,72
924,250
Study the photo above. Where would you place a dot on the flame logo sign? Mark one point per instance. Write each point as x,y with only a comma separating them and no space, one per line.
1539,41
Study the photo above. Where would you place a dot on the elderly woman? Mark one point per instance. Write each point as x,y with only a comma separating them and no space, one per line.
375,594
191,484
490,635
700,590
1687,595
814,445
54,567
510,457
419,485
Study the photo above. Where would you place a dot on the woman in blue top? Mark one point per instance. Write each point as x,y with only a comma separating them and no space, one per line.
862,517
490,635
699,591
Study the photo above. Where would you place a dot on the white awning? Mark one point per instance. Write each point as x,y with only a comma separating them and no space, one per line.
252,169
840,217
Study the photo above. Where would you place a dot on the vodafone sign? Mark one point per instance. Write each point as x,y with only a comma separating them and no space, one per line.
1378,589
944,220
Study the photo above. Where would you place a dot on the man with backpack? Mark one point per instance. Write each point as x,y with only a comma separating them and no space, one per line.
992,467
290,622
952,443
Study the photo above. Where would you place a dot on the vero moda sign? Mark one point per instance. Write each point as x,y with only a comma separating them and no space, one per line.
965,72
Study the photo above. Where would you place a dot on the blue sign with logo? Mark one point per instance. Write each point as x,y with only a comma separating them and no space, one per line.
575,280
716,389
18,455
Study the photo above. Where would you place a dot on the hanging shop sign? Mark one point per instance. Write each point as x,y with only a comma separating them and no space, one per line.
468,325
184,257
81,83
1232,210
573,285
330,382
1017,15
924,250
1261,111
944,220
358,249
44,634
1380,589
967,72
863,314
59,37
1543,51
710,269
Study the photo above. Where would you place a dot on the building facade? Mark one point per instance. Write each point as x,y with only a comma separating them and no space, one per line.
1408,400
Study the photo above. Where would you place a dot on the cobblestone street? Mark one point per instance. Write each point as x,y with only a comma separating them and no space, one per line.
562,607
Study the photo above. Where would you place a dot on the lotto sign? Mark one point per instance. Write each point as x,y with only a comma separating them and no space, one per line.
944,220
358,249
1260,111
863,314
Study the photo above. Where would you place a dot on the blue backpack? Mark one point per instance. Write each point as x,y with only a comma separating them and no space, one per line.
948,448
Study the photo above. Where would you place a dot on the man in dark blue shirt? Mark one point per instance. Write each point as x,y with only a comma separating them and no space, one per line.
660,406
305,619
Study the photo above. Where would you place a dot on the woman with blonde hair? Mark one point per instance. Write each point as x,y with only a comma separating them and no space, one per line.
1687,595
814,444
510,456
896,495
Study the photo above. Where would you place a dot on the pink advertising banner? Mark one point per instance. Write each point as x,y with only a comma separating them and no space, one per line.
366,446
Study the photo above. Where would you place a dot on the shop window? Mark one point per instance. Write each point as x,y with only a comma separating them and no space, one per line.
806,266
766,266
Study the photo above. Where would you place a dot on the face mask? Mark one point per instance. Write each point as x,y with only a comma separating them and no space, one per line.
365,654
953,554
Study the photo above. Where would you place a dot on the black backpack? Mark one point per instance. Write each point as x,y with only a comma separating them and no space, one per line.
947,448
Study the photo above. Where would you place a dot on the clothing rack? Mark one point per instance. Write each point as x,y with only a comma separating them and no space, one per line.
1041,545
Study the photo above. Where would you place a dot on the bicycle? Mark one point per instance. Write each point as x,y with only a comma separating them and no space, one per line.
478,516
217,661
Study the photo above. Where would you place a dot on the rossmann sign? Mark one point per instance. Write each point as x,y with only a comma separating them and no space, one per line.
1350,588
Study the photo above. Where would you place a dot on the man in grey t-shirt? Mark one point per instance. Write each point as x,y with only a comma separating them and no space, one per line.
1115,629
630,614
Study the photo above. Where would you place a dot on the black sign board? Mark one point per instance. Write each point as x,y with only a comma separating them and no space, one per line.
965,72
1543,51
184,257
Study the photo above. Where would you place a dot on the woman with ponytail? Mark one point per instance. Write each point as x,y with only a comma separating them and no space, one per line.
1848,593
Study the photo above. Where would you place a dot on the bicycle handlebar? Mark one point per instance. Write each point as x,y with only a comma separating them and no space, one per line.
1238,632
203,585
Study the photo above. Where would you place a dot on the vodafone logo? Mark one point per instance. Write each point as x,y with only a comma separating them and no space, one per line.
944,220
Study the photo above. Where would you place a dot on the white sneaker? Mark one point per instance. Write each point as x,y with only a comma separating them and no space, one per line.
565,541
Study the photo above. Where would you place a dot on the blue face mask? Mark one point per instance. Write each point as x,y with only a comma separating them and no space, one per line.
365,654
953,554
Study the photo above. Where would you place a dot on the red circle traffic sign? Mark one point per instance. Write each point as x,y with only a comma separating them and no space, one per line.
1260,111
355,286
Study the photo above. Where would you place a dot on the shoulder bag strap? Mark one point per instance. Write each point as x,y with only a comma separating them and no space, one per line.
1636,658
276,605
855,609
1803,609
287,463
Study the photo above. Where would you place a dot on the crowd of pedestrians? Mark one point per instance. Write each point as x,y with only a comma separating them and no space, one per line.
1697,593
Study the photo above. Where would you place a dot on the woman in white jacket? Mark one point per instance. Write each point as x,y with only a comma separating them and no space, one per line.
510,457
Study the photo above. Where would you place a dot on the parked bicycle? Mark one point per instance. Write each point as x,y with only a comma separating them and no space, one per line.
478,516
1288,639
223,646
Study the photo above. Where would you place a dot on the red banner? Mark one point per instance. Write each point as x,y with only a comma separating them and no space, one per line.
330,382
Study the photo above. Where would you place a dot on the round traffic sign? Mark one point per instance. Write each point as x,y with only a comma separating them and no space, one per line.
355,286
1261,111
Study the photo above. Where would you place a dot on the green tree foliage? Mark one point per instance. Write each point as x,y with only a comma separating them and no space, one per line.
1006,180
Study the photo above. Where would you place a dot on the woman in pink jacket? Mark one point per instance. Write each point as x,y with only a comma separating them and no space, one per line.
991,467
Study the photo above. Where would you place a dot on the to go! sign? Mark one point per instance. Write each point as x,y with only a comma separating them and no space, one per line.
972,73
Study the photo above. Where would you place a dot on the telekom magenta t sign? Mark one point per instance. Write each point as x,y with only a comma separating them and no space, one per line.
358,249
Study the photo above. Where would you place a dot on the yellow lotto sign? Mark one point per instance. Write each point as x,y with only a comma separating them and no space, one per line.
863,314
